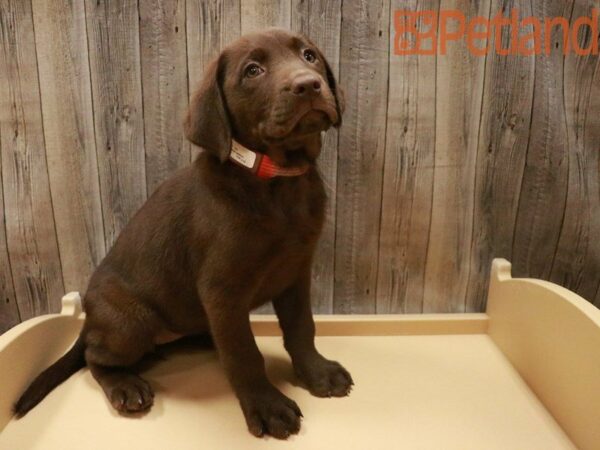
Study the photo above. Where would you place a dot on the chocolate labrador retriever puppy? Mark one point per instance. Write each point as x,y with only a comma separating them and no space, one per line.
235,230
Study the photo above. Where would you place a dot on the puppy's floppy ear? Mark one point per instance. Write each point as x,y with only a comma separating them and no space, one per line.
207,121
338,93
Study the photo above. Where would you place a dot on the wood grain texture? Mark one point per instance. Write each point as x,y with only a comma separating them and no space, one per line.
459,85
364,75
259,14
321,22
210,26
408,174
69,137
502,147
545,180
577,260
592,141
30,230
164,87
114,53
9,310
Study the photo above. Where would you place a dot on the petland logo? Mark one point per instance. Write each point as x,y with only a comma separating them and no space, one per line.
525,35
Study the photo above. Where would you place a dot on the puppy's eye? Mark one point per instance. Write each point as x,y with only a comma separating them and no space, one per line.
253,70
310,55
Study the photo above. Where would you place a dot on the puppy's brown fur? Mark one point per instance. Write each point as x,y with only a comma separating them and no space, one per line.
214,241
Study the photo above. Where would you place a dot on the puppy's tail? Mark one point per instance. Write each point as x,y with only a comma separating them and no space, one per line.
58,372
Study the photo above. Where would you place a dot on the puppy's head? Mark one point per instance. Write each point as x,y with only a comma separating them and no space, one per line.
273,92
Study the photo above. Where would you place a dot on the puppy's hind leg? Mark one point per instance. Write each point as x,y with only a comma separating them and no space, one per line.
112,350
112,367
126,391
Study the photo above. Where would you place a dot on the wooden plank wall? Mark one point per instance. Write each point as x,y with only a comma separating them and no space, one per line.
443,161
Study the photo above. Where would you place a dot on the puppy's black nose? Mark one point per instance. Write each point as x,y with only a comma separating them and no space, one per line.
306,85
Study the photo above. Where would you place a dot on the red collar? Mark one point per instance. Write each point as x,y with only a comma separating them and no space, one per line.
260,164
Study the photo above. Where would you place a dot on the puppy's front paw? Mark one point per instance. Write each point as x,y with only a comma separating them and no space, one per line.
325,378
271,412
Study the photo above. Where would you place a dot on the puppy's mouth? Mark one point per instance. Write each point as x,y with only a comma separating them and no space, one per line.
312,121
310,118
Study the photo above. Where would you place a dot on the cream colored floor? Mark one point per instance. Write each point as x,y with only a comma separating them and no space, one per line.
411,392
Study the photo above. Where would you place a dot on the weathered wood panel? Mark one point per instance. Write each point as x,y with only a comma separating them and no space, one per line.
459,86
259,14
408,173
69,136
9,311
364,75
506,118
545,179
114,53
592,142
321,21
30,230
210,26
577,261
443,162
164,87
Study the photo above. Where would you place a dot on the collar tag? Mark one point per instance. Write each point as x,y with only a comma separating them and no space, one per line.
260,164
242,155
